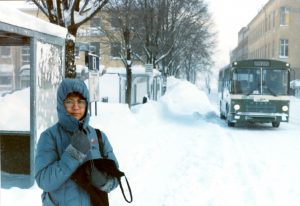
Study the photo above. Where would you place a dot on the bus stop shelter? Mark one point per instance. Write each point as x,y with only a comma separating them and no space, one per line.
32,64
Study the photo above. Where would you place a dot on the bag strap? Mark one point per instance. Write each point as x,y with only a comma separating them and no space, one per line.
101,148
100,140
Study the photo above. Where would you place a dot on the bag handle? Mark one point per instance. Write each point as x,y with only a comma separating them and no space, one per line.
129,189
101,148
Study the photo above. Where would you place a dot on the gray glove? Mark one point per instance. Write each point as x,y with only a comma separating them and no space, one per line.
80,141
98,178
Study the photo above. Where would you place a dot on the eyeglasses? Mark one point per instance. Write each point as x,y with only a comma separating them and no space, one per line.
70,103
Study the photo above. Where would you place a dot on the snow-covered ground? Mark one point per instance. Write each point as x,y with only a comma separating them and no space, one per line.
177,152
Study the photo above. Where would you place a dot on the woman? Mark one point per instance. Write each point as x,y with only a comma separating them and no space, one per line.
65,146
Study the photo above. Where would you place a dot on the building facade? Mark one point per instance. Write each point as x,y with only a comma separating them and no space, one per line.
274,33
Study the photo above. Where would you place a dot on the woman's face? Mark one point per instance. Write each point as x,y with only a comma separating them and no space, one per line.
75,105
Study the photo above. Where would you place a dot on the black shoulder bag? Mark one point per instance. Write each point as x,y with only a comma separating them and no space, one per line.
82,176
109,167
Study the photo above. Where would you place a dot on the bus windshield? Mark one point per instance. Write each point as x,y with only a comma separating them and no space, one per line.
275,82
260,81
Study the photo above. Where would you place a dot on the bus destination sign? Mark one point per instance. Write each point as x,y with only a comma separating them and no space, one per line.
261,63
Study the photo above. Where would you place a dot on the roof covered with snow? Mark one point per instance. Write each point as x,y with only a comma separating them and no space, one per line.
13,16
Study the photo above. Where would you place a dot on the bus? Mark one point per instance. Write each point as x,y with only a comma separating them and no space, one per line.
255,90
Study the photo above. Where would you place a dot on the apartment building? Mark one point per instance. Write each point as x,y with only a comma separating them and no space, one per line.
274,33
91,34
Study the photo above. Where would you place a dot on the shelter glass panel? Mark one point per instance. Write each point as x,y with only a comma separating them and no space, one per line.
49,73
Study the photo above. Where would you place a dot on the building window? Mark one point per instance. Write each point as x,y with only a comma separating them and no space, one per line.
284,48
95,26
273,49
95,48
272,20
269,23
284,16
114,23
5,51
273,17
266,25
25,58
77,52
95,22
115,50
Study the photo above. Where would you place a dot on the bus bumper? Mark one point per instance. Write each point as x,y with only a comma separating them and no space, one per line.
259,117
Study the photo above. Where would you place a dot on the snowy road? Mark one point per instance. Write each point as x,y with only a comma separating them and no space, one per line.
200,161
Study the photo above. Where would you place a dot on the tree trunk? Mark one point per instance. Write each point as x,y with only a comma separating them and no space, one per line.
129,85
128,66
70,70
70,67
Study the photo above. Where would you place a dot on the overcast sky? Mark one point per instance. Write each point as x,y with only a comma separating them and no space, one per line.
230,16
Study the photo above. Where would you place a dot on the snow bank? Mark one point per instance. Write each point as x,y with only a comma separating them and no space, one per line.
183,101
182,97
15,111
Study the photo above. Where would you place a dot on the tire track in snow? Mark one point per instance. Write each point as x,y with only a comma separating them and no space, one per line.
247,170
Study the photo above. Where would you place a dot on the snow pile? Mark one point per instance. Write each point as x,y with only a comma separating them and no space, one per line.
182,101
185,101
183,98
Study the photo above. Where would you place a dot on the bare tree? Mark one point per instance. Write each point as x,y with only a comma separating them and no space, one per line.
121,13
154,30
174,34
70,14
177,36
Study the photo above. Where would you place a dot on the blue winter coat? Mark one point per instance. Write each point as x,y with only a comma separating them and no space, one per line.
54,165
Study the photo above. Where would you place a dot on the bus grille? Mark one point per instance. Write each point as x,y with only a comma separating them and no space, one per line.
261,107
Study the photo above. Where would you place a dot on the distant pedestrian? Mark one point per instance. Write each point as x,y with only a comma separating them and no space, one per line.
67,145
145,99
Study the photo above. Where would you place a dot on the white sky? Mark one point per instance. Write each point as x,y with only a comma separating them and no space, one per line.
230,16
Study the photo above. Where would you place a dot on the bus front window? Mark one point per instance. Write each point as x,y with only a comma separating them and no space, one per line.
246,81
275,82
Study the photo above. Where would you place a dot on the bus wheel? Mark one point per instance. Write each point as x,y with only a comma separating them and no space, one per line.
275,124
222,116
230,124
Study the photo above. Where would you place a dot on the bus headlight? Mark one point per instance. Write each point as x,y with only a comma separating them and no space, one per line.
285,108
236,107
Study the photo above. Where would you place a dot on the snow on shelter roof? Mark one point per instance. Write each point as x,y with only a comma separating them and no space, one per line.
20,19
